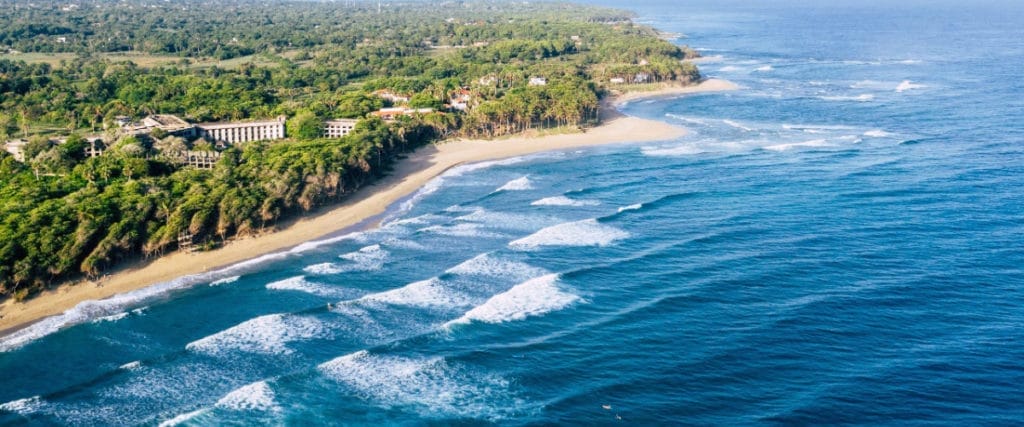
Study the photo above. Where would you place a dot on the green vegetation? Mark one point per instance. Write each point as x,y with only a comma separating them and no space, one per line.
63,214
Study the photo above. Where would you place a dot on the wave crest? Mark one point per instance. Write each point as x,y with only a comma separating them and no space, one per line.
534,297
268,334
587,232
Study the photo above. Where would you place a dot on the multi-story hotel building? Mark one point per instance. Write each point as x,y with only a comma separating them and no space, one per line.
239,132
338,128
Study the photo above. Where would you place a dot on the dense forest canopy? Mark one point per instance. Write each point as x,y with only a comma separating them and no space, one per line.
71,69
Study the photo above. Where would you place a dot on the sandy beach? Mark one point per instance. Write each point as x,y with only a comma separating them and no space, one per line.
409,175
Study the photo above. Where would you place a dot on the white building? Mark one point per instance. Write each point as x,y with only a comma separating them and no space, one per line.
538,81
240,132
338,128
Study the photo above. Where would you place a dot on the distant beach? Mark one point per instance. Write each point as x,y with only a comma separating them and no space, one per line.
408,176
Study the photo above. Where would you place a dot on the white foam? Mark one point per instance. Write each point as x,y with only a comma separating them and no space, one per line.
631,207
564,201
461,230
911,61
430,386
784,147
687,149
404,244
851,138
587,232
736,125
473,167
728,69
416,220
268,334
491,266
324,269
430,293
178,419
877,133
130,366
91,309
225,281
693,120
300,284
437,183
518,184
765,68
504,220
908,85
111,318
24,406
859,98
368,258
534,297
357,236
872,84
257,396
807,128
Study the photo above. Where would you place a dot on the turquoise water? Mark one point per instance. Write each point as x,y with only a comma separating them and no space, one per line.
839,242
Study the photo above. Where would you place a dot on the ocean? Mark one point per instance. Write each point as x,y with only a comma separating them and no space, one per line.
839,242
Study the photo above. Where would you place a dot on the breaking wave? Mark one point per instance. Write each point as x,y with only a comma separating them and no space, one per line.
518,184
789,146
908,85
587,232
637,206
23,406
675,151
877,133
564,201
225,281
429,386
257,396
268,334
491,266
430,293
300,284
534,297
859,98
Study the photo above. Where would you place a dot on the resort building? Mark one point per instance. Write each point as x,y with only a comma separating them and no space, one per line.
617,80
240,132
338,128
201,159
171,124
460,100
538,81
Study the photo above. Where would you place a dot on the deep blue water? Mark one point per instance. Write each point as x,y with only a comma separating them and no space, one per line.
840,242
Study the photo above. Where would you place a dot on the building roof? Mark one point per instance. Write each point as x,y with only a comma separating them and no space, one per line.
341,122
228,125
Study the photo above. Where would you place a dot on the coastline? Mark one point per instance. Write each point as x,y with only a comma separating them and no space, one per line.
408,176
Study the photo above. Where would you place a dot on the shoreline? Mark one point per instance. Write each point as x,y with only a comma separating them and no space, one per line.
408,175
